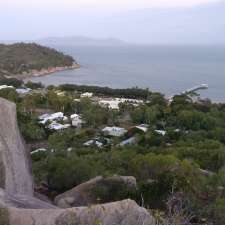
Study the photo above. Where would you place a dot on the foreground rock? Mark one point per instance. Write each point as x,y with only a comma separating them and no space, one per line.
118,213
18,206
22,201
96,190
15,175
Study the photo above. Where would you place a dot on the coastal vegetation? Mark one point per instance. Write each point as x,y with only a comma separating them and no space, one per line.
181,155
19,59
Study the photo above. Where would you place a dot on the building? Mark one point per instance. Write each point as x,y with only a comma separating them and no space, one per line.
86,95
51,117
38,150
114,131
93,143
57,126
5,86
23,90
76,120
161,132
114,103
129,141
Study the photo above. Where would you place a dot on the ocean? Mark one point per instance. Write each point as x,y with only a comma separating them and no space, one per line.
166,69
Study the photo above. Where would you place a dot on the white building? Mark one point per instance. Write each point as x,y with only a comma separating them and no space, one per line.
93,143
143,127
23,90
114,131
114,103
129,141
161,132
38,150
5,86
57,126
86,95
76,120
51,117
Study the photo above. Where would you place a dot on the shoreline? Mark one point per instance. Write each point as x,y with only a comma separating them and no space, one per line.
44,72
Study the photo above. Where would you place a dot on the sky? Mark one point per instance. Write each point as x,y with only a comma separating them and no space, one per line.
109,5
34,19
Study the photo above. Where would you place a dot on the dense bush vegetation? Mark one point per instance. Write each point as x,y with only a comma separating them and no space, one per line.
189,159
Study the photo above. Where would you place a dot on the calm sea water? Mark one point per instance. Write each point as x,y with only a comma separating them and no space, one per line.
169,70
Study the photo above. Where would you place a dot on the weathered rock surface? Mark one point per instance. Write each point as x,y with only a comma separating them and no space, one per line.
23,201
15,175
18,206
126,212
86,193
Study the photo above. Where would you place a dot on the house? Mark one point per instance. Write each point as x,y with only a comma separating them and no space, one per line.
76,120
23,90
129,141
5,86
114,103
38,150
114,131
111,104
143,127
57,126
161,132
86,95
51,117
93,143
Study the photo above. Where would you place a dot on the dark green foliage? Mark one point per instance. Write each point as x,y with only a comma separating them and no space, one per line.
11,82
4,216
33,85
30,128
9,94
128,93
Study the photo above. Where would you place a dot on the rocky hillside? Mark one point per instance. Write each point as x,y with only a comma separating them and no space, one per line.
21,58
18,206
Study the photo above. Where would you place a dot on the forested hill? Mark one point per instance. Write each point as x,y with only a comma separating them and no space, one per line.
21,58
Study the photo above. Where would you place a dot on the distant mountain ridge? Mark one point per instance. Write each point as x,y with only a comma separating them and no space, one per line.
81,41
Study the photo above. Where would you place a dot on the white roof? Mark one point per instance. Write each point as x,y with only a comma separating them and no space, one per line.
143,127
129,141
162,132
93,142
5,86
114,103
38,150
74,116
23,90
87,94
46,117
58,126
114,129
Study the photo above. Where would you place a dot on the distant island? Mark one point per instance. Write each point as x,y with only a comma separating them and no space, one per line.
23,60
81,41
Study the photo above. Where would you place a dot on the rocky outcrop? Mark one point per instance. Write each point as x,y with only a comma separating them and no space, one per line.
92,191
125,212
18,206
15,175
23,201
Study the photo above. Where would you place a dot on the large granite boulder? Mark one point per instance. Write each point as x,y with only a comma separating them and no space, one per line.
23,201
97,190
125,212
15,175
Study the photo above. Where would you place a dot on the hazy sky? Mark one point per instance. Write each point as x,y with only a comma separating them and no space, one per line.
31,19
100,4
